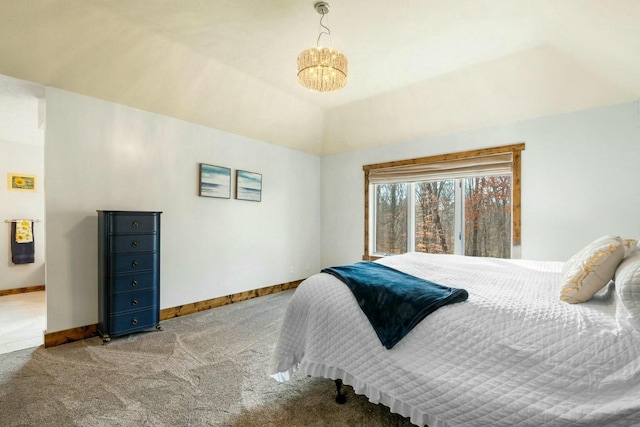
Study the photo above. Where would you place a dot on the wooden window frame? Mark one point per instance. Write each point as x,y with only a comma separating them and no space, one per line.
514,149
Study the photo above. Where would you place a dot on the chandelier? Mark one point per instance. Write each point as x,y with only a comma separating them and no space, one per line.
322,69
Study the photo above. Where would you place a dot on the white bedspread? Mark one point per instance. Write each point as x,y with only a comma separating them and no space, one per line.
513,354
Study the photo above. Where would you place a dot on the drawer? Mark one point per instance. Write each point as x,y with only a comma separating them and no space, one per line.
133,243
136,300
129,263
133,282
133,321
134,223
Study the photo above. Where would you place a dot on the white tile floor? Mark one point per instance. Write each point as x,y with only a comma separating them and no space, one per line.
22,321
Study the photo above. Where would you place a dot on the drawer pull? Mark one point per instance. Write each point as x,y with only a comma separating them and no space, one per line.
134,282
134,321
134,263
134,224
134,243
134,302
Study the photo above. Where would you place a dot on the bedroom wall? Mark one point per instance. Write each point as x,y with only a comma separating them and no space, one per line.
580,180
101,155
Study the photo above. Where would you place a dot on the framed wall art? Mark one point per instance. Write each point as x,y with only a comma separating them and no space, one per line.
215,181
21,182
248,186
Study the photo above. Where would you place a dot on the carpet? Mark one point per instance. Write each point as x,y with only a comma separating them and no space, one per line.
204,369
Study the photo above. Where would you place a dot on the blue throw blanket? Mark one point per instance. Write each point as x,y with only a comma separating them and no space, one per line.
393,301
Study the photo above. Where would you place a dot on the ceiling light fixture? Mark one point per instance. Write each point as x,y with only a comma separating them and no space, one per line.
322,69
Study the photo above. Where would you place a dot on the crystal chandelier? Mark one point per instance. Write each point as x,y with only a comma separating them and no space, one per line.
322,69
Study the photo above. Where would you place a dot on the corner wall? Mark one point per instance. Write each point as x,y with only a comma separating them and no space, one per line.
101,155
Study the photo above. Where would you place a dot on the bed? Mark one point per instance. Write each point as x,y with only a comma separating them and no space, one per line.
512,354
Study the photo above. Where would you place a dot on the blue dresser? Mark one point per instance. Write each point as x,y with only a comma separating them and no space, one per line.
128,272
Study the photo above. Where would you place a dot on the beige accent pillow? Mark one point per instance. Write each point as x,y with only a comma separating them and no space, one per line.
627,280
591,269
630,246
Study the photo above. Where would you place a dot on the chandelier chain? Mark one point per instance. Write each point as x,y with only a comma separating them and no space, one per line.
321,31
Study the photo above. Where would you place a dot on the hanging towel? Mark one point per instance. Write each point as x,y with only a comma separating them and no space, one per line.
24,231
22,244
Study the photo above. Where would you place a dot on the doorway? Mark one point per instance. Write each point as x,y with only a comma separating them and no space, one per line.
22,286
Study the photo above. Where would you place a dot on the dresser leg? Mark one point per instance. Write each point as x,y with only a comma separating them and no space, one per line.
105,339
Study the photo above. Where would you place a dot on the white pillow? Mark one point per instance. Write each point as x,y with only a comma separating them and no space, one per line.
591,269
627,280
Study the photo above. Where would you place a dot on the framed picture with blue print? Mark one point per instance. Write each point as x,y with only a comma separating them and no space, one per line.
248,186
215,181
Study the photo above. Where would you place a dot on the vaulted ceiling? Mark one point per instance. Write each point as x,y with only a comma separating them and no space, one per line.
415,67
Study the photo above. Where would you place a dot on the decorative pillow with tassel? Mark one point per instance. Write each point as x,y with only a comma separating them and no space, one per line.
591,269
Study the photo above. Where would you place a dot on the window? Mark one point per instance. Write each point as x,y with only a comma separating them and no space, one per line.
461,203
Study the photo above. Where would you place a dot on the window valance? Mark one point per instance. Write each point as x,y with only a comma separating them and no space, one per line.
495,164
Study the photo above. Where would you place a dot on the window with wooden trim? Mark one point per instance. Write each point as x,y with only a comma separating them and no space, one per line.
465,203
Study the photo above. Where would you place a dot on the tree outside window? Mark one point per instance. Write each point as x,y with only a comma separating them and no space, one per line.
465,203
484,203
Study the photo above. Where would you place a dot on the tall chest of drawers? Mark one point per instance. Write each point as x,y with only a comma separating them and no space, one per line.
128,272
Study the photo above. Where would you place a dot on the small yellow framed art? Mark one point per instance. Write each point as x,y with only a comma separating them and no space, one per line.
21,182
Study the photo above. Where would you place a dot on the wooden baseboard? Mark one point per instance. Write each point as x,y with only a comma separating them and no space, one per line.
83,332
194,307
70,335
14,291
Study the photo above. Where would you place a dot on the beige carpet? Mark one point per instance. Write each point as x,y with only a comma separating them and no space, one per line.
205,369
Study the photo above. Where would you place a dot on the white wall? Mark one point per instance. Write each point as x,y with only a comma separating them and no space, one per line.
580,180
101,155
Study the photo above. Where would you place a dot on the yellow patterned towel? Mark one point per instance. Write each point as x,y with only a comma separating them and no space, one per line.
24,232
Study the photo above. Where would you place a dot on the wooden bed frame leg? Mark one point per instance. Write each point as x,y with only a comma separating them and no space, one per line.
340,398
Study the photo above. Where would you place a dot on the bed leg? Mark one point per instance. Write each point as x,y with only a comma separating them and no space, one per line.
340,398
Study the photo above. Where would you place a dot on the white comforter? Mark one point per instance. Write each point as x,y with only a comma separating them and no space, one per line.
512,354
